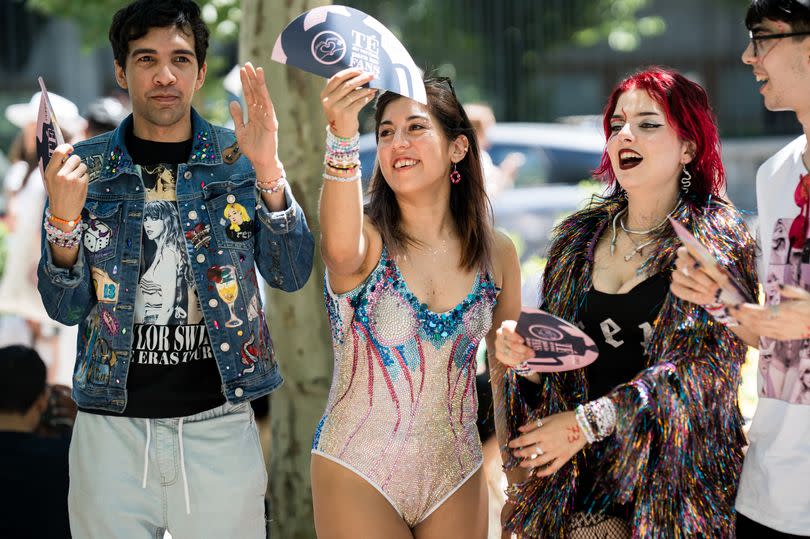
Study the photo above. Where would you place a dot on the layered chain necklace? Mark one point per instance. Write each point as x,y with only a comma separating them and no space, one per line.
630,233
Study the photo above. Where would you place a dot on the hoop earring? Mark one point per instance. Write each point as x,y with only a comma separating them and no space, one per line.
455,176
686,181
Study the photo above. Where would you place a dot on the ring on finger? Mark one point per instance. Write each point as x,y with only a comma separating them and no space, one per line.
685,271
538,451
538,423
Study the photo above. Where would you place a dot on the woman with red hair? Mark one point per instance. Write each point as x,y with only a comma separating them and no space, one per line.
647,440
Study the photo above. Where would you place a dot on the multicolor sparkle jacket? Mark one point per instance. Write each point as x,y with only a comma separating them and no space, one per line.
676,451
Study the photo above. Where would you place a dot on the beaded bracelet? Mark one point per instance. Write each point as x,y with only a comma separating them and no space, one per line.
342,153
333,178
272,187
60,238
336,141
340,164
54,219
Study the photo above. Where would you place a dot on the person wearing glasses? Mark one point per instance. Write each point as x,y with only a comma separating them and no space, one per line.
773,499
647,440
414,281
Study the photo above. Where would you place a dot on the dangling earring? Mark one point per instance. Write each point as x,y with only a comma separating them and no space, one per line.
455,176
686,181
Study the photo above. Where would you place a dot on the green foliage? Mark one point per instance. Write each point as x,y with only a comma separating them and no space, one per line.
222,16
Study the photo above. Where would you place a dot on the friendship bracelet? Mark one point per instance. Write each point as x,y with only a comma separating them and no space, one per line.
336,141
60,238
333,178
342,172
341,164
54,219
277,186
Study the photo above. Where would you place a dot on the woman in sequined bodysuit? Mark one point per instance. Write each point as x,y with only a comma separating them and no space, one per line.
414,282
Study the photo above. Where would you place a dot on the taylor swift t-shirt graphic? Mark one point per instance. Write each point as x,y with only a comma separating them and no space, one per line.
785,365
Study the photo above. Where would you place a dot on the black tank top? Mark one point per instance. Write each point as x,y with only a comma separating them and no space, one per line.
620,325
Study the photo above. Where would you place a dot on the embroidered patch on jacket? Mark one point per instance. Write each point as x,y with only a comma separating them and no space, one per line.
96,236
199,236
231,154
237,222
106,287
93,164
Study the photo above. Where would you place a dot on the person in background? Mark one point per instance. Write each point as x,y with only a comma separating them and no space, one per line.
104,114
497,178
35,423
23,319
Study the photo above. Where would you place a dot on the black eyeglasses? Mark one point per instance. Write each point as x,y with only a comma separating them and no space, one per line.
759,48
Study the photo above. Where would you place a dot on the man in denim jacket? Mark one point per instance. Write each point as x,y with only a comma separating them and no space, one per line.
152,236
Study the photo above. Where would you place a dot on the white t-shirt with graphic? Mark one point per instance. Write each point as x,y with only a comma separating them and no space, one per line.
775,483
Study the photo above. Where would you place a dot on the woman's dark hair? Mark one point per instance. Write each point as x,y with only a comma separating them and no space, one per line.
687,110
794,12
469,204
134,21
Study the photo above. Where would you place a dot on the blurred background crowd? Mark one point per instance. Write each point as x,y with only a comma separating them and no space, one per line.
543,69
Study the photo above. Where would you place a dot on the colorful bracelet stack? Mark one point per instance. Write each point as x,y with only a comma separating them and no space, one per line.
596,419
272,186
60,238
342,157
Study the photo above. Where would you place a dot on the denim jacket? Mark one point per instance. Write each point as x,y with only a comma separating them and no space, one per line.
98,292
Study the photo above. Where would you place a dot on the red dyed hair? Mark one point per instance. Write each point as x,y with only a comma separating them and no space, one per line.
686,107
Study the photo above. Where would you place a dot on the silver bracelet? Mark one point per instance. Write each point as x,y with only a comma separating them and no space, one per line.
584,425
601,417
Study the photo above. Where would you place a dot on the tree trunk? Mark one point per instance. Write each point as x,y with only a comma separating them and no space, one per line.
298,321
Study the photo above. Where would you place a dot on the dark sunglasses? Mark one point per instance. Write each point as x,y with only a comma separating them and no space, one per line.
798,230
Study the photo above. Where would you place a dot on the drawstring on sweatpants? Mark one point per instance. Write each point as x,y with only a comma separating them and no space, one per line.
146,453
182,460
183,465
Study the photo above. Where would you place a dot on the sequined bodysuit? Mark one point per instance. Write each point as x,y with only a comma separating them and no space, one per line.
402,406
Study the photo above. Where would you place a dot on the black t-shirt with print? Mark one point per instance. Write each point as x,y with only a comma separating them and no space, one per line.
172,372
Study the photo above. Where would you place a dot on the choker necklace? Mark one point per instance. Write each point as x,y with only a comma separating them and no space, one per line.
629,231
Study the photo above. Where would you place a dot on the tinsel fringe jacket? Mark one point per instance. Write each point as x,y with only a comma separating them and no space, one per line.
676,452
